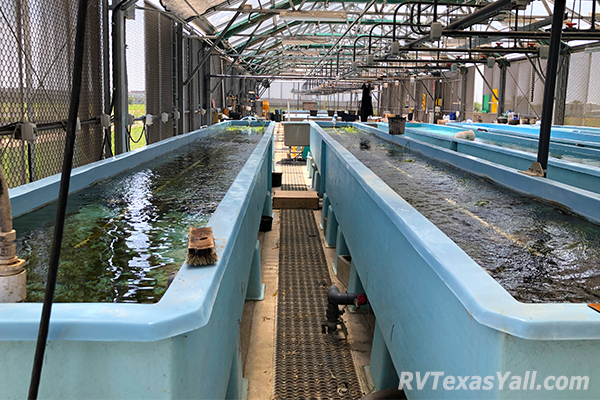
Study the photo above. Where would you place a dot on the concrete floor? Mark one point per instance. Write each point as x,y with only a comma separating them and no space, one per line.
257,330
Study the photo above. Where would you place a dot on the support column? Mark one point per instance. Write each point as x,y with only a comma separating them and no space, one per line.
341,249
192,90
331,229
316,181
209,116
323,170
354,283
562,79
324,210
256,289
120,100
268,170
382,368
548,104
238,385
179,60
106,76
464,73
502,88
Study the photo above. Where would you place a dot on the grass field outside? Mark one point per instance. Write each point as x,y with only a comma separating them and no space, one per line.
137,110
49,152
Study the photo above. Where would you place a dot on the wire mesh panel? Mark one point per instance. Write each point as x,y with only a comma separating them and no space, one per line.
36,58
583,100
159,73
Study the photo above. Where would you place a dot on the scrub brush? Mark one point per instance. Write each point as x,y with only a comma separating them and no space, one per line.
201,247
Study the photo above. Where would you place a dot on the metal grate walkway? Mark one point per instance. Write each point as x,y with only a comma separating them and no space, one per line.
308,363
293,176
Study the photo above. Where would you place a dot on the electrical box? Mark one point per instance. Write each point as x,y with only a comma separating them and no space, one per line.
130,119
490,62
176,115
149,119
395,48
27,132
453,68
105,120
436,31
370,59
296,134
544,51
164,117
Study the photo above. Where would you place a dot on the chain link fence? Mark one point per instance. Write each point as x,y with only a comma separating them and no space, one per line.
582,106
36,57
159,73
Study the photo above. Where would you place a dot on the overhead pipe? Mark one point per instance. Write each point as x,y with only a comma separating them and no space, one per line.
369,5
419,15
434,61
471,19
570,35
406,3
371,35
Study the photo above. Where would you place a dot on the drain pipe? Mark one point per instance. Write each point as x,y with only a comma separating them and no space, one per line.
12,269
334,299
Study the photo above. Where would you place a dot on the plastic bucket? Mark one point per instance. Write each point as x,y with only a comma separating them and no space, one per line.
396,125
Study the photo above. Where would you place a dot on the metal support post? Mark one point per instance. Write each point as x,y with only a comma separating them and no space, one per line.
502,88
564,61
464,74
106,74
209,116
548,104
179,60
120,102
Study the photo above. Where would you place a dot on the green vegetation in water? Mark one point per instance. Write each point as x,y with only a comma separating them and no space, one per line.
348,129
125,235
365,144
246,130
538,252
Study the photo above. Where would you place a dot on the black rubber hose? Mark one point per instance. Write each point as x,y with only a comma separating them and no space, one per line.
62,200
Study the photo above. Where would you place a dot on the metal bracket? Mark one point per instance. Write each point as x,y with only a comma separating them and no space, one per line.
535,170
